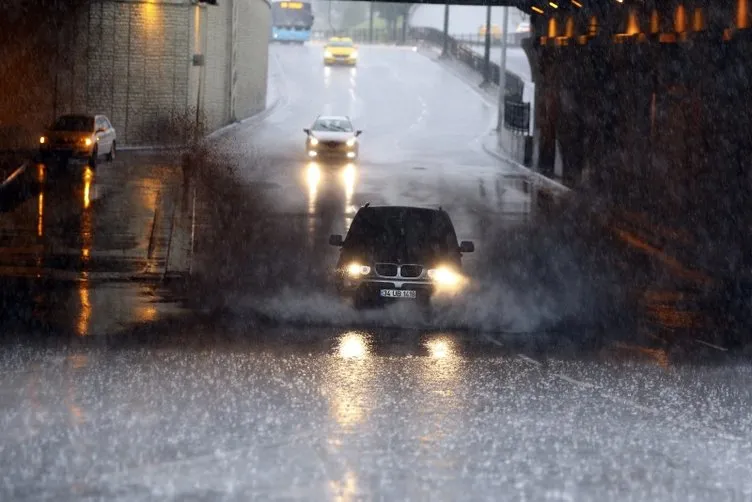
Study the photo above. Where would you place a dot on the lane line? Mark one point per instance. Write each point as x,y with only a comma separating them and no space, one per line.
713,346
529,359
573,381
690,423
492,340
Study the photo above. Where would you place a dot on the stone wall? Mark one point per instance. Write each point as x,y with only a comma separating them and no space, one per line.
133,61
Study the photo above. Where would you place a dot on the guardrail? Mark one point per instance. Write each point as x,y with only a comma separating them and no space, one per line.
517,116
462,50
513,39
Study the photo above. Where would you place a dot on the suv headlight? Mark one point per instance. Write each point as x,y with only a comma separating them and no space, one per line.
356,270
351,142
314,141
86,141
444,276
42,140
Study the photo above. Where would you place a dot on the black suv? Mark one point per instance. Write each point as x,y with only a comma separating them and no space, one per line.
399,253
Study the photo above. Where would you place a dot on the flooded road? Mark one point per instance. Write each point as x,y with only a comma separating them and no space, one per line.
567,372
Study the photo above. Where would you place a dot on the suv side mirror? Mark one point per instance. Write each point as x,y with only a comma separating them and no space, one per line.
307,131
336,240
358,132
467,247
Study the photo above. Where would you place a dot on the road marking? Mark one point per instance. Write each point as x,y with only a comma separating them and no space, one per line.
573,381
492,340
630,403
713,346
529,359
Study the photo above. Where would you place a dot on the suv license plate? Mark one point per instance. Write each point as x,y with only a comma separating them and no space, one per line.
398,293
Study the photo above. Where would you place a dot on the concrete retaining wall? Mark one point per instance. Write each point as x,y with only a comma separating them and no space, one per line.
132,60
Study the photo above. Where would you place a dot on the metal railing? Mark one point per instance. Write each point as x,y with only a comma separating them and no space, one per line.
517,116
463,51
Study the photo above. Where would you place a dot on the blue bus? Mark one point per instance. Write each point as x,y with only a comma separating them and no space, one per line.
291,21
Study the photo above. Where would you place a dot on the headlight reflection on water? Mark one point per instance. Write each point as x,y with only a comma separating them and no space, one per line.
350,373
440,347
353,345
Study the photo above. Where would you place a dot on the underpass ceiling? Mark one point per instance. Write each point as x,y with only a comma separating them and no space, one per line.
520,4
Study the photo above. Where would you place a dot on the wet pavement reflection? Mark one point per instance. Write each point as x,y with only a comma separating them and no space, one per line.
87,220
347,413
76,231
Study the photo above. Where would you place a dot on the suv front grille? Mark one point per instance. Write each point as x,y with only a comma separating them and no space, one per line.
393,270
386,269
411,271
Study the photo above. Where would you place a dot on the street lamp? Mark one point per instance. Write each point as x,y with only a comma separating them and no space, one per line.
445,48
487,52
503,71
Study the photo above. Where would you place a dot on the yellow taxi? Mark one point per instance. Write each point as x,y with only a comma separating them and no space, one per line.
495,31
340,50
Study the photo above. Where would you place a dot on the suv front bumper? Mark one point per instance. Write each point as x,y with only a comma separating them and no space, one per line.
380,292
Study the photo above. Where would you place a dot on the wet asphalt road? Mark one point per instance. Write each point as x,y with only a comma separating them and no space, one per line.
146,405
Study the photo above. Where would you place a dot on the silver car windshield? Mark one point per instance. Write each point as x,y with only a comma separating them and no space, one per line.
74,123
335,125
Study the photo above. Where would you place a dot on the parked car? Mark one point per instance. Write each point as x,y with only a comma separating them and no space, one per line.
85,137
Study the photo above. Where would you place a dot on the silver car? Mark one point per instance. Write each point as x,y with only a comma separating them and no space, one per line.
332,137
86,137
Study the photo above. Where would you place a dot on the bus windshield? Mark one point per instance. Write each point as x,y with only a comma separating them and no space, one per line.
296,14
340,43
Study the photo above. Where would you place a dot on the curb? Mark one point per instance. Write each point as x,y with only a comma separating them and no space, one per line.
213,135
538,179
260,115
255,117
281,98
435,56
15,174
150,148
80,276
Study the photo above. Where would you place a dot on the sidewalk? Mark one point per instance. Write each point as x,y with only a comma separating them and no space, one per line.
491,146
111,223
490,94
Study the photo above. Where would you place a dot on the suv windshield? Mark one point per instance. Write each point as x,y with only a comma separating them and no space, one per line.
338,125
78,123
405,235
